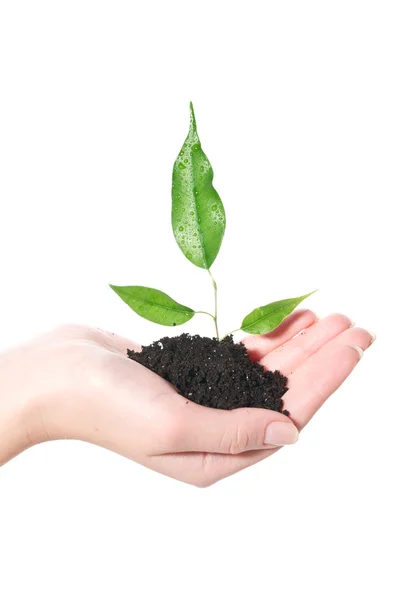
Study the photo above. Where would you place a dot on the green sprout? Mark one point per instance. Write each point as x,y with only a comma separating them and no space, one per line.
199,223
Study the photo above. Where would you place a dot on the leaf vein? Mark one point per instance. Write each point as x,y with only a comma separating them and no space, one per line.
266,316
175,308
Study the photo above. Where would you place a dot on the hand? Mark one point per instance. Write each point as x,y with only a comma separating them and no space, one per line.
77,383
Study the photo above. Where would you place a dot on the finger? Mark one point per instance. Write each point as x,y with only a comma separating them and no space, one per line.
259,345
355,336
289,356
322,374
200,429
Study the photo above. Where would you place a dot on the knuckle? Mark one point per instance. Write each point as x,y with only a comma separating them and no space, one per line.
205,475
203,483
205,479
240,441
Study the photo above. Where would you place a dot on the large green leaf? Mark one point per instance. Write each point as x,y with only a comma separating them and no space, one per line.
198,217
266,318
154,305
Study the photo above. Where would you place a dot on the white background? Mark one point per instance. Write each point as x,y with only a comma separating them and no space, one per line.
297,109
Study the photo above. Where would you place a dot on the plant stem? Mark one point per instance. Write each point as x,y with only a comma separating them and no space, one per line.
215,316
203,312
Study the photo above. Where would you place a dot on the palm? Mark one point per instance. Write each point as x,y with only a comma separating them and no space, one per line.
315,355
154,425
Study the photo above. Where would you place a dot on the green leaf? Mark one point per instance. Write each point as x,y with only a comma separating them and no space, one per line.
266,318
154,305
198,217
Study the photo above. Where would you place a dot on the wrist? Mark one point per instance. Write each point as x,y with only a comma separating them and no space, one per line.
17,406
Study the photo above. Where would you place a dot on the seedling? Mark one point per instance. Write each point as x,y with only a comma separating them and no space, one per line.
198,222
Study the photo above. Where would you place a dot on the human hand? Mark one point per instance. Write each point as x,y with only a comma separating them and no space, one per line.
77,383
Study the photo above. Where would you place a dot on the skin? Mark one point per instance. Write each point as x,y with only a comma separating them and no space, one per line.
77,383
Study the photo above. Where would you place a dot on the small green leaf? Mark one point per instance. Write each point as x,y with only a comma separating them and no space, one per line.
198,217
154,305
266,318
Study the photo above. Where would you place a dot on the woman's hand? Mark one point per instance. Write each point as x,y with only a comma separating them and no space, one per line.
78,383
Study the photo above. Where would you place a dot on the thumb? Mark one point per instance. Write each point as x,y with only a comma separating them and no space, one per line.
234,431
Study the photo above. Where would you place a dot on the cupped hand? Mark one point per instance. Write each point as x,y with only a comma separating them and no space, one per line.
77,383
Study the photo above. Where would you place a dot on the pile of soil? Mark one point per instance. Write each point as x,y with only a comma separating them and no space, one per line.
213,373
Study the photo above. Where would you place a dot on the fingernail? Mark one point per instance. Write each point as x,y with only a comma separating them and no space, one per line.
358,350
280,434
352,323
373,337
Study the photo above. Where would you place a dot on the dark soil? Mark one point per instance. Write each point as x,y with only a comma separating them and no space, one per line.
213,373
